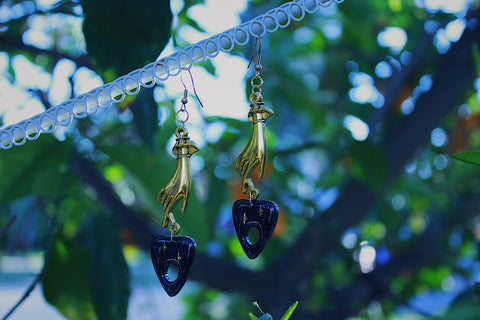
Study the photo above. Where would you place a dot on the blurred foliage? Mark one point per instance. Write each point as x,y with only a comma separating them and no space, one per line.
109,275
267,316
424,226
117,44
65,284
115,35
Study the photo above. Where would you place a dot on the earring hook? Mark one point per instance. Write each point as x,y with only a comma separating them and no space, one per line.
193,86
259,40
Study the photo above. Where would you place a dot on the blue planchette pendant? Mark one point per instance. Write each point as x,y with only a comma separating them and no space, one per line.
259,216
172,258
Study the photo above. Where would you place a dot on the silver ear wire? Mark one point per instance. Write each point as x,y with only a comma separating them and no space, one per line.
253,52
193,85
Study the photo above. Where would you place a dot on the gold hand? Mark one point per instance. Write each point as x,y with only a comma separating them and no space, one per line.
178,187
255,152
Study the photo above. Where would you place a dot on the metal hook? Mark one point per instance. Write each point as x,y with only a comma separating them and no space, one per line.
253,51
193,85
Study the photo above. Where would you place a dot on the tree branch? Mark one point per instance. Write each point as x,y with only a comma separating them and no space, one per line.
5,228
29,290
398,81
400,78
88,174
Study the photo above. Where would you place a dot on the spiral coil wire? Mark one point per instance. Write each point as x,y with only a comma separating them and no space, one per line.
155,72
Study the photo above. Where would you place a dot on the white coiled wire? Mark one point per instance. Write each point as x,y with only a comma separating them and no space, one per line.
114,92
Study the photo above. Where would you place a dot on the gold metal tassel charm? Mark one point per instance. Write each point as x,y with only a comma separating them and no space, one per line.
178,187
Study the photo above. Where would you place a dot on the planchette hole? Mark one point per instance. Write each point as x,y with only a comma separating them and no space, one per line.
172,272
253,236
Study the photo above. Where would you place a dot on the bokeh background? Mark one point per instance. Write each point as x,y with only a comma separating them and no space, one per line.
371,98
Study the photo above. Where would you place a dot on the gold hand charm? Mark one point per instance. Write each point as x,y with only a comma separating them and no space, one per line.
178,187
255,152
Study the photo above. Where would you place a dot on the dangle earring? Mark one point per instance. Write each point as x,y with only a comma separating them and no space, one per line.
174,254
253,214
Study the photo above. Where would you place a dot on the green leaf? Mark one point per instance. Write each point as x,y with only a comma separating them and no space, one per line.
42,163
209,67
184,19
395,5
191,3
290,310
66,284
464,311
476,288
145,111
216,191
472,157
109,273
252,317
256,306
476,57
136,33
368,163
71,213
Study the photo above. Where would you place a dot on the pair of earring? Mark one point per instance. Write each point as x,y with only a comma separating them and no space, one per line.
249,215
